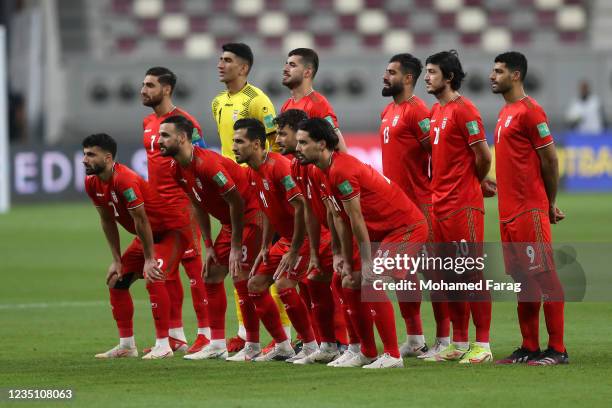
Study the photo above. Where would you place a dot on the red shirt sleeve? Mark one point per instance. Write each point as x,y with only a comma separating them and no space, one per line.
89,189
344,181
469,123
420,122
537,128
284,181
325,111
129,188
212,170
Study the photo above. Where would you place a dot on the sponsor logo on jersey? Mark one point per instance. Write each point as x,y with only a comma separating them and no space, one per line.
220,179
265,184
147,130
288,182
543,130
443,123
345,187
508,120
129,194
114,196
472,127
198,183
99,194
395,120
235,115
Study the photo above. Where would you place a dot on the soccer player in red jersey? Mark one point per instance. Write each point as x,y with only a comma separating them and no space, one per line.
285,262
299,72
460,162
156,93
218,186
406,148
373,210
121,196
320,269
527,179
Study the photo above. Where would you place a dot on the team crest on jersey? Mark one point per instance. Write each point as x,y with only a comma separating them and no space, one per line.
508,120
235,115
395,120
114,196
198,183
266,185
443,123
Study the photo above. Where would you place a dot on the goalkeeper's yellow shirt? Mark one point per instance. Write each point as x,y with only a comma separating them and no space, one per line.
249,102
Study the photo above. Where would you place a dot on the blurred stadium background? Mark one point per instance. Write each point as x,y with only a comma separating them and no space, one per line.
75,67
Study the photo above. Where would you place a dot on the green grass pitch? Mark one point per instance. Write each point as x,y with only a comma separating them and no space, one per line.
55,316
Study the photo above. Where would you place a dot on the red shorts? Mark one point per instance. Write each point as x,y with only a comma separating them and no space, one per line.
251,242
168,247
427,210
326,255
280,248
193,246
405,241
527,243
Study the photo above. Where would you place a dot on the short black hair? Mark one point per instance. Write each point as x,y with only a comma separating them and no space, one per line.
291,118
103,141
254,130
515,61
164,76
309,57
320,129
241,50
409,64
449,64
181,123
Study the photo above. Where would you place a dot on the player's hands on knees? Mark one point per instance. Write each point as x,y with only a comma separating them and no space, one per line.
555,214
211,258
346,272
338,263
114,272
367,272
286,263
151,271
262,256
488,187
314,264
235,257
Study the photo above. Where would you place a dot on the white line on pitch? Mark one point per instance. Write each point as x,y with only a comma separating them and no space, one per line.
47,305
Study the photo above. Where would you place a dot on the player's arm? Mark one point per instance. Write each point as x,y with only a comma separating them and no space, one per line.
482,159
262,109
289,260
266,240
236,206
313,228
341,142
111,232
549,168
204,223
337,242
143,230
360,232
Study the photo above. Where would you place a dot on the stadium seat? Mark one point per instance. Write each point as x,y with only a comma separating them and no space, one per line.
348,6
173,26
448,5
471,20
247,7
200,46
273,24
372,22
396,41
148,8
571,18
548,4
295,39
496,39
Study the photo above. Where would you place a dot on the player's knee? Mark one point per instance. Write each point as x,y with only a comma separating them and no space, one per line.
349,283
284,283
216,274
123,283
257,285
320,276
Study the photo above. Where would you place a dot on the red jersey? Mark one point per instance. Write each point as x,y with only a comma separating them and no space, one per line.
276,188
160,174
315,105
126,190
208,177
522,128
404,160
455,127
385,207
309,179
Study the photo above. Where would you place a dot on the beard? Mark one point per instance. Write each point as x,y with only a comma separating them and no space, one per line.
94,169
437,91
304,160
169,151
153,101
392,90
292,83
501,88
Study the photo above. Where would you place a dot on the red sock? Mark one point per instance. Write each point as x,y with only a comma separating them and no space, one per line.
361,318
298,313
160,306
306,297
322,307
175,291
249,314
123,311
411,313
459,312
552,290
342,320
529,322
384,318
442,317
268,314
217,305
481,316
193,269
